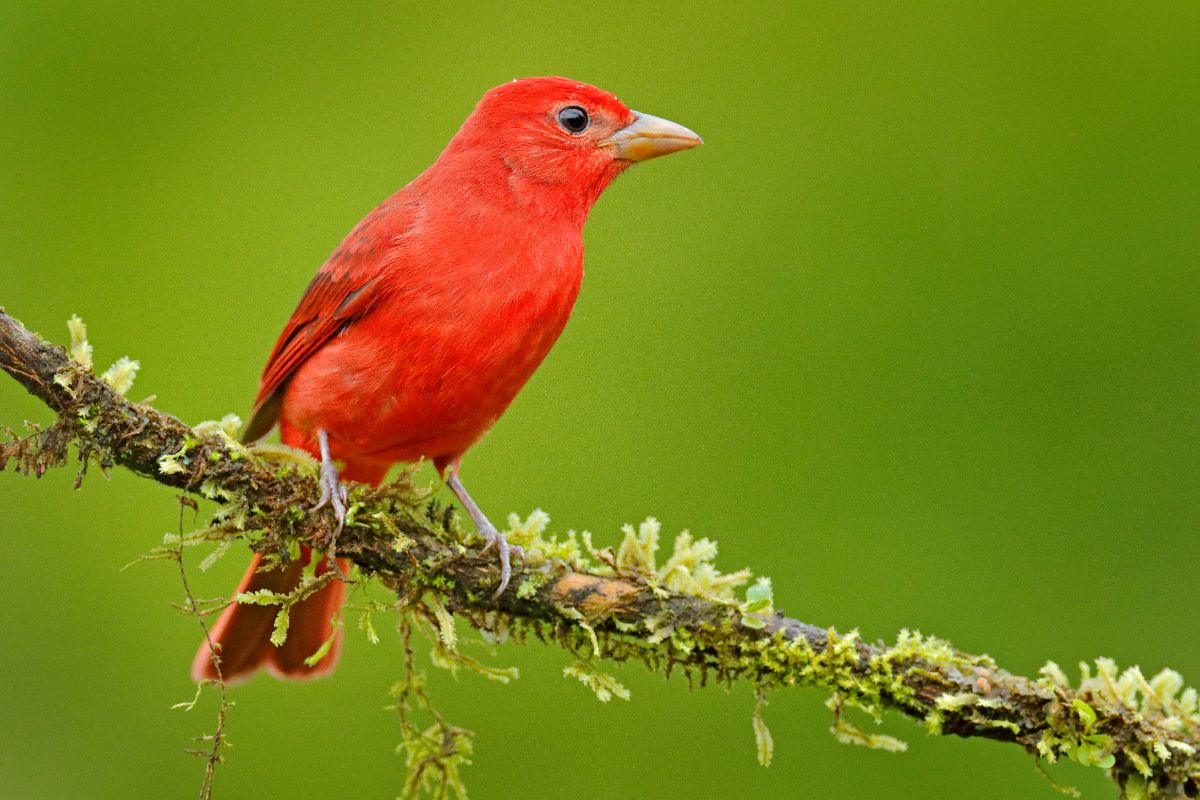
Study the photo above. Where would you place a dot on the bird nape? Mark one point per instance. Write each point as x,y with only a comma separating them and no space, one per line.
421,327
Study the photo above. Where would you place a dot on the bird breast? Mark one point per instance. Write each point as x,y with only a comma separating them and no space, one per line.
442,355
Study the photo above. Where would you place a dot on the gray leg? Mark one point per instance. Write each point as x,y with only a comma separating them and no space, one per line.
487,530
332,490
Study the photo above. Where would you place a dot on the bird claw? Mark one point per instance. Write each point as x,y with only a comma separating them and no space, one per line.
333,492
506,552
492,537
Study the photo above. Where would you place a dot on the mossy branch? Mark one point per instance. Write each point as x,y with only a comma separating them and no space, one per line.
614,605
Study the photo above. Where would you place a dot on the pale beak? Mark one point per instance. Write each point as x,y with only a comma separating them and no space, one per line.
650,137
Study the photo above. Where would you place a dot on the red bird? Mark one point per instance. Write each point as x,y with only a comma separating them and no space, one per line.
427,320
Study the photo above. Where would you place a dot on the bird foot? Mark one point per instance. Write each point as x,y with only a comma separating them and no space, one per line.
487,530
333,491
506,551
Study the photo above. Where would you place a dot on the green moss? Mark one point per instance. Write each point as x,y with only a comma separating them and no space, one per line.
445,624
689,570
119,377
1077,731
605,686
430,579
80,349
764,743
176,462
531,584
846,732
121,374
309,585
969,706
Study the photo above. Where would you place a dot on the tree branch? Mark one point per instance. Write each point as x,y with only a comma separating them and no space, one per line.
616,605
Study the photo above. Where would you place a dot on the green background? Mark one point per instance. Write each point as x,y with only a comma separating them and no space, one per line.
915,333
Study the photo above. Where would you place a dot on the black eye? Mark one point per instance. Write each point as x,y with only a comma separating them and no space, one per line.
574,119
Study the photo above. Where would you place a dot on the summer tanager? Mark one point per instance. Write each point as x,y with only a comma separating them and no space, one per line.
425,322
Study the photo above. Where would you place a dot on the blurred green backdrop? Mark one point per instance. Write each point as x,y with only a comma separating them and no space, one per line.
915,333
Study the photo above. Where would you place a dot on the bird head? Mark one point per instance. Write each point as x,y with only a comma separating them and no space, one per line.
555,136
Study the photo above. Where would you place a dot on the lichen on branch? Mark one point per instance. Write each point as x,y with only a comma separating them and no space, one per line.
600,603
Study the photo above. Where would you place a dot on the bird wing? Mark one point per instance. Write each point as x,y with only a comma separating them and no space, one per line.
345,289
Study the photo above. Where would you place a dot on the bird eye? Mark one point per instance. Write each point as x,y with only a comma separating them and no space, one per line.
574,119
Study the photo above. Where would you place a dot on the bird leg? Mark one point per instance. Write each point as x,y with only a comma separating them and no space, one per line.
333,491
487,530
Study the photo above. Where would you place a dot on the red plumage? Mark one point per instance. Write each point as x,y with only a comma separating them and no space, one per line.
426,321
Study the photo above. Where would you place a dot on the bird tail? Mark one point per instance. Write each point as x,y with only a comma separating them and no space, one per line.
242,634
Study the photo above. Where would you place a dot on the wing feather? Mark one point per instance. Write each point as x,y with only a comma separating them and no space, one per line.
345,289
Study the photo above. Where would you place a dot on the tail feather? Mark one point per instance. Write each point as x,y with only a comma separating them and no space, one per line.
310,627
242,632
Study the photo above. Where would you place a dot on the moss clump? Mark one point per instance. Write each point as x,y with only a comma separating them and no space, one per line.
1146,748
689,570
605,686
